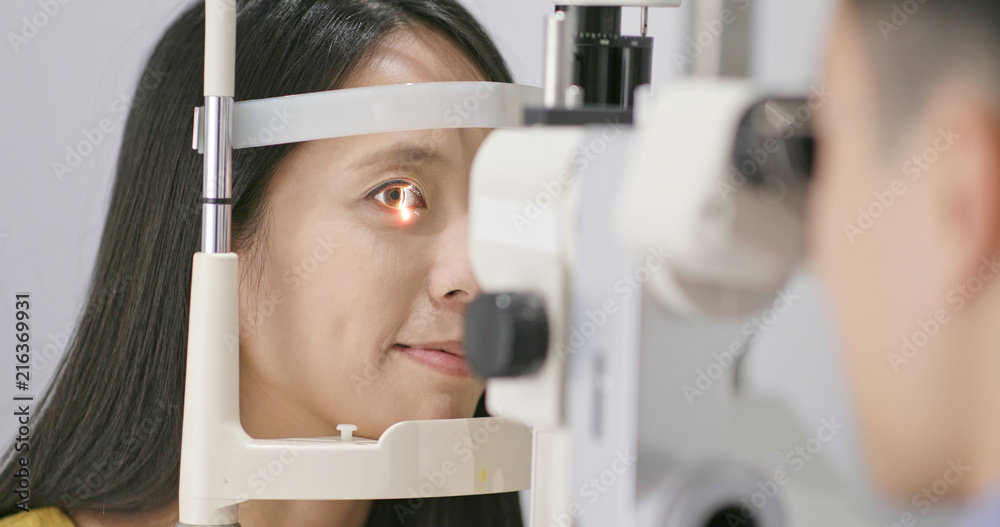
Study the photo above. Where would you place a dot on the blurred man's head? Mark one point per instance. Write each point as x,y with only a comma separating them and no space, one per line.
905,227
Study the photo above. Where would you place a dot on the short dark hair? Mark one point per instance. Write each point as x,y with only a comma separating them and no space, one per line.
914,44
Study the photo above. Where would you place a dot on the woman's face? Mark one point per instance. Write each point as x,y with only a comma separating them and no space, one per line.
364,251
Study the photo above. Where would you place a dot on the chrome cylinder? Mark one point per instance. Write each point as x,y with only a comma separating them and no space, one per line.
217,189
728,22
558,68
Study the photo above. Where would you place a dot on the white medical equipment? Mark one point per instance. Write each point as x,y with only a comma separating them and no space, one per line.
219,460
580,240
592,241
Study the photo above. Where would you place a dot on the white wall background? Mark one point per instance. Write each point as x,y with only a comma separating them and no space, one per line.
66,78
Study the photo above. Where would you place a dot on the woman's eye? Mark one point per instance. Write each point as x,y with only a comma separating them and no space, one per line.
400,195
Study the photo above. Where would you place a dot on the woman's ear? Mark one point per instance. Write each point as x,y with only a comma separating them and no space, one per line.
967,182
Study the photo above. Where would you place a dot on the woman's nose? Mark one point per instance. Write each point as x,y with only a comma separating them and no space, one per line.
451,278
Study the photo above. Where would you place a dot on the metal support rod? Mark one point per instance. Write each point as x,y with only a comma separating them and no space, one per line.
217,191
644,21
557,65
727,22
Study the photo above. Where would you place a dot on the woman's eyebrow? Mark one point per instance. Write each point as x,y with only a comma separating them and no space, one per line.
401,154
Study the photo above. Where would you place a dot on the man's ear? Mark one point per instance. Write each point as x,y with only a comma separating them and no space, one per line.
967,182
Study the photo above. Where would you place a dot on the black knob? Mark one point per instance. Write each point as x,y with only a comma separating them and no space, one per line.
506,335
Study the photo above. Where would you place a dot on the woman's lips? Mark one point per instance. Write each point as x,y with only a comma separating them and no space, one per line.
438,360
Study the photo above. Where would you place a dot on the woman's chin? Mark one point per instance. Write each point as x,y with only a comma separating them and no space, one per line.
446,407
423,413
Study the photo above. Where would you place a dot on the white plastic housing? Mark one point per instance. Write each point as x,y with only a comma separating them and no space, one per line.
220,48
730,252
374,109
520,204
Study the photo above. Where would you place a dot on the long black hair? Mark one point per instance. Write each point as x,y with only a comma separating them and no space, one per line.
109,433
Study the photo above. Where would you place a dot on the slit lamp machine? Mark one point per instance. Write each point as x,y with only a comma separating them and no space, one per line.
617,232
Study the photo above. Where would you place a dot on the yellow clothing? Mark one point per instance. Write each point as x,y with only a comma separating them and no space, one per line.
43,517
